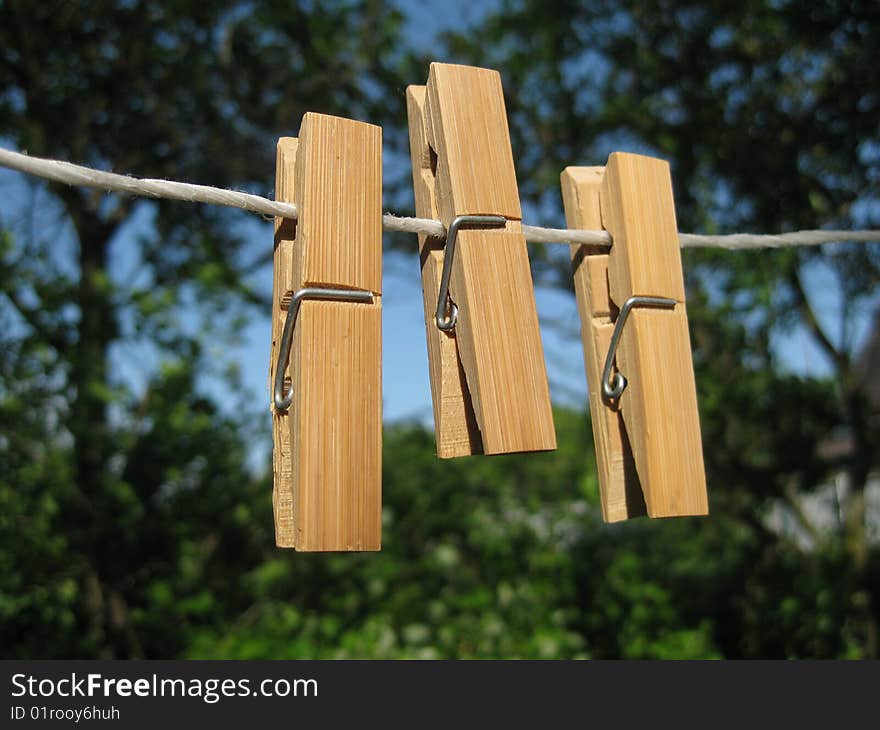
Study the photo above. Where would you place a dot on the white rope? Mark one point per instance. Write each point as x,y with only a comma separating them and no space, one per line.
70,174
739,241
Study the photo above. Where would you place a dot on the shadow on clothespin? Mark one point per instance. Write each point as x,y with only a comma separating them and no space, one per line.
632,306
326,361
486,360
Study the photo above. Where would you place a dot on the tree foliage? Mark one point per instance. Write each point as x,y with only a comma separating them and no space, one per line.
768,114
189,90
131,524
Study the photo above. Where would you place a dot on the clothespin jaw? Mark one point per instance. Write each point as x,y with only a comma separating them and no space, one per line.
645,420
488,378
326,370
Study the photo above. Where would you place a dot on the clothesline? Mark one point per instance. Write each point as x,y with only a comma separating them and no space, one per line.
77,175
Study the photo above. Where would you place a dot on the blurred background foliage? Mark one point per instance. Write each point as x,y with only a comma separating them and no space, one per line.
133,522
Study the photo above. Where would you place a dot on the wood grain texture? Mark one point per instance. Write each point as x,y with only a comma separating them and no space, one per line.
336,426
328,447
455,426
467,127
499,341
282,283
639,211
659,405
619,487
337,191
497,335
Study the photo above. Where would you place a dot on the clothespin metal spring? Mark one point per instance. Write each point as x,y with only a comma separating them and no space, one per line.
282,401
613,387
493,221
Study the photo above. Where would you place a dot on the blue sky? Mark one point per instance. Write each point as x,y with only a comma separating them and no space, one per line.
405,376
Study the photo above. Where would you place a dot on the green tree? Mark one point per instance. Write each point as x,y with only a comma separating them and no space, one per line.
189,90
130,523
476,562
768,114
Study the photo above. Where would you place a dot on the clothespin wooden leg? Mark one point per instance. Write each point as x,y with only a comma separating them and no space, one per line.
328,443
488,377
658,425
282,285
619,488
455,425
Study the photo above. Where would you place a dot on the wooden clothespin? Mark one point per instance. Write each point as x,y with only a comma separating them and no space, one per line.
645,421
488,378
327,398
